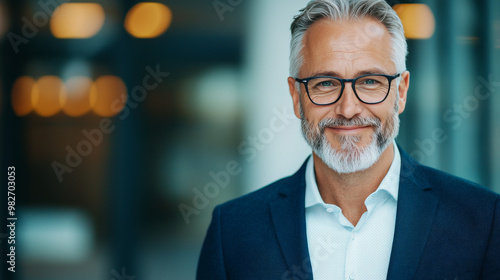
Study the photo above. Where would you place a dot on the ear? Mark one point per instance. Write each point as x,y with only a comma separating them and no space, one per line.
404,84
295,93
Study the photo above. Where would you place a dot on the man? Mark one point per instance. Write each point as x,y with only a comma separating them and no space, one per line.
359,207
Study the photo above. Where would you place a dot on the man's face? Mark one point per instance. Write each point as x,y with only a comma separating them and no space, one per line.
348,50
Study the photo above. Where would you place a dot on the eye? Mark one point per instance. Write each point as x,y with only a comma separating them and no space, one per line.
326,84
370,82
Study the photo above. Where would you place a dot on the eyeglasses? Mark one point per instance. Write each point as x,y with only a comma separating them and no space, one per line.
369,89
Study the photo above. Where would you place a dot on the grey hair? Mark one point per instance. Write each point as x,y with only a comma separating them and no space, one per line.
337,10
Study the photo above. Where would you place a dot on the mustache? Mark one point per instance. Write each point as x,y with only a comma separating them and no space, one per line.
342,121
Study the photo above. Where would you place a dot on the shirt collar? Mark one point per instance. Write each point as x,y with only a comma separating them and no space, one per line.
390,183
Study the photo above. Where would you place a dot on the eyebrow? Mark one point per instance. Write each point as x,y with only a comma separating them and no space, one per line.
357,74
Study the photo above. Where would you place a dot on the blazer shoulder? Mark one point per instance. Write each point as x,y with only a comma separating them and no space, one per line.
451,190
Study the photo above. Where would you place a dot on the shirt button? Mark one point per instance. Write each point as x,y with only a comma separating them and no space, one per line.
351,277
353,236
329,210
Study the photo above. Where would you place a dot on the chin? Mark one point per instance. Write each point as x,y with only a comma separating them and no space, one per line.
351,156
351,143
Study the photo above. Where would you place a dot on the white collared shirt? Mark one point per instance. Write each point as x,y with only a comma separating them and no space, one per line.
337,249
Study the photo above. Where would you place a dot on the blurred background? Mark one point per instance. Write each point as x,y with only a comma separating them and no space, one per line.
128,121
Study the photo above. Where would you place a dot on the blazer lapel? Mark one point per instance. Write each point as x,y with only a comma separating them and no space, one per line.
288,216
415,214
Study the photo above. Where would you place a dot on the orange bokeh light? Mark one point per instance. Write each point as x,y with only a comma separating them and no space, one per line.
22,91
148,20
418,20
48,96
77,20
108,96
78,96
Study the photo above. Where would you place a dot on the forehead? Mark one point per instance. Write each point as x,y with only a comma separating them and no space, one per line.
347,47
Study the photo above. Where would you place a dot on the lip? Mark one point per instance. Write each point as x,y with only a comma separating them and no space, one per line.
348,129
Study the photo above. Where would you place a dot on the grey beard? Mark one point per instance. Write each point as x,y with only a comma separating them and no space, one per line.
350,158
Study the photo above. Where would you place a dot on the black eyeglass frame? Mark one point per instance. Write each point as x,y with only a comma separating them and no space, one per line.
353,82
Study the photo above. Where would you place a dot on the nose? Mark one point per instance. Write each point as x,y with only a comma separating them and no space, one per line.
349,105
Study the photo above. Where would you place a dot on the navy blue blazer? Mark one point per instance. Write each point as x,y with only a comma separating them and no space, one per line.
446,228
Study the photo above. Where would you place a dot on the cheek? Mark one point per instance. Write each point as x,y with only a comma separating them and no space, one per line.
385,110
315,113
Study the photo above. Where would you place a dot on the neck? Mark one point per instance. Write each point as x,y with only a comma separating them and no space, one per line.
349,191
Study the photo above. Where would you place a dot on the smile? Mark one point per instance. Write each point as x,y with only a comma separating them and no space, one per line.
348,129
